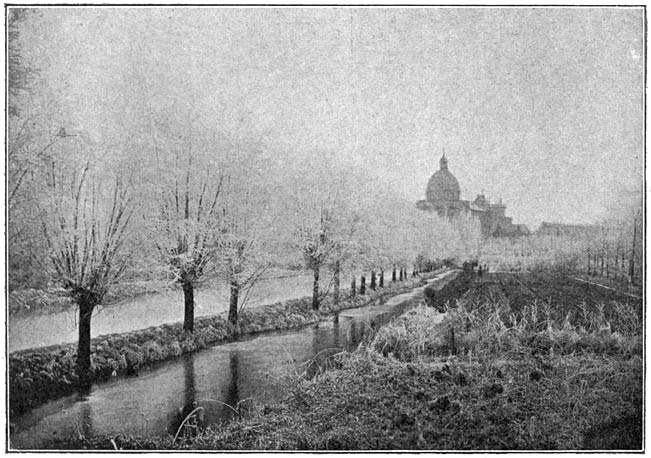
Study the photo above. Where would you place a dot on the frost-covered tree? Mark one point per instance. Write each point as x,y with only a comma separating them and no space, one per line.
21,73
187,226
247,236
322,214
32,147
84,222
314,235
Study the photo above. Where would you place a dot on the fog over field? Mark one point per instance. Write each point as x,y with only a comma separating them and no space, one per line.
542,107
325,228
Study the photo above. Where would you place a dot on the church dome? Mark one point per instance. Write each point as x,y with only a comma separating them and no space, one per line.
443,186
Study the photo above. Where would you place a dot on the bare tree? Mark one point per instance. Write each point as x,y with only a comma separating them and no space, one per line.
85,230
329,234
188,227
29,157
314,238
244,240
32,141
20,73
634,243
345,250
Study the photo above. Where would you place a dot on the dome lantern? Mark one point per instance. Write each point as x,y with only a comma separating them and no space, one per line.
443,186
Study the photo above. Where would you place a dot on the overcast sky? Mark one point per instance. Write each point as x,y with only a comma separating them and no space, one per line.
542,107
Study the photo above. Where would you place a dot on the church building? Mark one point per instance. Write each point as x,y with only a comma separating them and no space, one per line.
443,196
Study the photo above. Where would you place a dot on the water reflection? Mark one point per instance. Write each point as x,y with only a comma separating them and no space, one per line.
190,381
325,344
86,420
356,331
217,379
233,394
179,417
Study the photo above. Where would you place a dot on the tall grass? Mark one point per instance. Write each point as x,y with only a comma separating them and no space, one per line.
493,328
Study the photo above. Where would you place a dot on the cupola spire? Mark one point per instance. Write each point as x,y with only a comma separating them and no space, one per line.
444,161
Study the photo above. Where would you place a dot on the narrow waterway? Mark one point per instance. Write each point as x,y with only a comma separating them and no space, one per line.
41,330
217,379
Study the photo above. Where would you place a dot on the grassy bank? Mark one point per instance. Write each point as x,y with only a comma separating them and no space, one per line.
488,375
37,375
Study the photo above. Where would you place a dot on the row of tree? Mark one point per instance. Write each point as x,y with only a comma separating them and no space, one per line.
199,206
617,250
613,248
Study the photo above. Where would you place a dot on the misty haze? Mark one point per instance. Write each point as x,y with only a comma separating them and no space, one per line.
325,228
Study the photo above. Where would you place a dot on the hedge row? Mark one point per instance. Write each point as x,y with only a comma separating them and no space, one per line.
37,375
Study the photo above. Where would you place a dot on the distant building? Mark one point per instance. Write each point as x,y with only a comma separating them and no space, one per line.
572,230
443,196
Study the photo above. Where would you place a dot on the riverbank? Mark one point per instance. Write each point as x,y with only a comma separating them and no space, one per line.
37,375
483,376
31,302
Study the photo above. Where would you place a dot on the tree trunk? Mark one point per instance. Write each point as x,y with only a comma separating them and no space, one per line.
335,293
631,263
623,261
83,345
315,289
353,288
382,279
589,271
393,276
401,274
601,271
188,295
373,280
362,285
235,295
594,264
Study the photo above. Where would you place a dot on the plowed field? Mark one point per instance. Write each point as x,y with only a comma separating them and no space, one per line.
557,297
